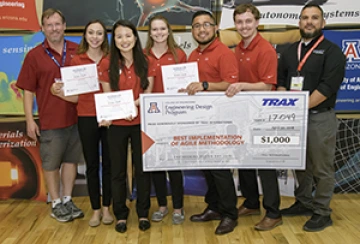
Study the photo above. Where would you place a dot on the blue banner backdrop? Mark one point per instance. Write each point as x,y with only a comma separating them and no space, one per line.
13,50
348,99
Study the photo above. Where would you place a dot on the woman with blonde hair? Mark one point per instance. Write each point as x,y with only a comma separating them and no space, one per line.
162,49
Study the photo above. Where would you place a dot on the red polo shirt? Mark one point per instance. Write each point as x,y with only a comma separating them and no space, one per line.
127,81
166,59
216,63
37,75
257,62
86,102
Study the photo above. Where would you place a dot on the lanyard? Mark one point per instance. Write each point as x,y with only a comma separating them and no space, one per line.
303,61
53,58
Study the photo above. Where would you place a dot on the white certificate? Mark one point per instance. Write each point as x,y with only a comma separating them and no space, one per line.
178,76
115,105
265,130
79,79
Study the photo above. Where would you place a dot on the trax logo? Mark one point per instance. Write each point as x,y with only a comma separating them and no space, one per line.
351,49
279,102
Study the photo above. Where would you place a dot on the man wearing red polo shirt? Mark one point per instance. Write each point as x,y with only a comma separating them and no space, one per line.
257,62
217,69
60,147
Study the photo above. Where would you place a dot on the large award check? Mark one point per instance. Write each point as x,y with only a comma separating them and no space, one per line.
211,131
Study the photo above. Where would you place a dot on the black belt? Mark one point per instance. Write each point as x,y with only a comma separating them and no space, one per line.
320,110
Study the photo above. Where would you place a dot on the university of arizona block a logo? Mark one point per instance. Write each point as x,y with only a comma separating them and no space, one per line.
351,49
153,108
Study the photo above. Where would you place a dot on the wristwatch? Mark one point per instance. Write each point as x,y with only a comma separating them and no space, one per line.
205,85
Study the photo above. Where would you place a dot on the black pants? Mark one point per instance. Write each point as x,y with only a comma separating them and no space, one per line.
270,186
221,196
90,136
118,137
176,184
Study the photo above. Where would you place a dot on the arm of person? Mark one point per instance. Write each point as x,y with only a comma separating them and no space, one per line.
56,90
147,90
28,83
72,99
105,86
182,56
316,98
228,72
150,86
333,75
32,128
282,71
245,86
218,86
137,101
195,87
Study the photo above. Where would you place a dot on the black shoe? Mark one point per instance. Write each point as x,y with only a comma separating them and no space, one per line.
317,223
297,209
144,225
121,227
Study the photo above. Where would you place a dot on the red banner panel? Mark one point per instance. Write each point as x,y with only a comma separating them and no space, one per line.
20,164
20,15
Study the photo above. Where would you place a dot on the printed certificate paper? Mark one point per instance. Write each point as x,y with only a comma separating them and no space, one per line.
211,131
115,105
79,79
178,76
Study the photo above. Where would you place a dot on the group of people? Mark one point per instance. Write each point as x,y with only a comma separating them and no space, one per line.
68,124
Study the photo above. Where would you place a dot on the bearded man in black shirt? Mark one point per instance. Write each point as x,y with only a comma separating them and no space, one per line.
316,65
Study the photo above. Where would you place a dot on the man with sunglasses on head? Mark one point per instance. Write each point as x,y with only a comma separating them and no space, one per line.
217,70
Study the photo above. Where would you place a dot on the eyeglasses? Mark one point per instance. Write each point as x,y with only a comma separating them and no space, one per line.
205,25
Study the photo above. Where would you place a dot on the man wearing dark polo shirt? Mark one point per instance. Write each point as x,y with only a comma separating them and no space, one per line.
60,147
217,69
316,65
257,62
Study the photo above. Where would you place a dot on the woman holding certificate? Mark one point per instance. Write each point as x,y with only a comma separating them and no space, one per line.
162,49
93,49
127,68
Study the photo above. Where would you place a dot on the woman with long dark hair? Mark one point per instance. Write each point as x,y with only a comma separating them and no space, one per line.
127,68
162,49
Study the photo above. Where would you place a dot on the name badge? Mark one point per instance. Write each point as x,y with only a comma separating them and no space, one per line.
297,83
